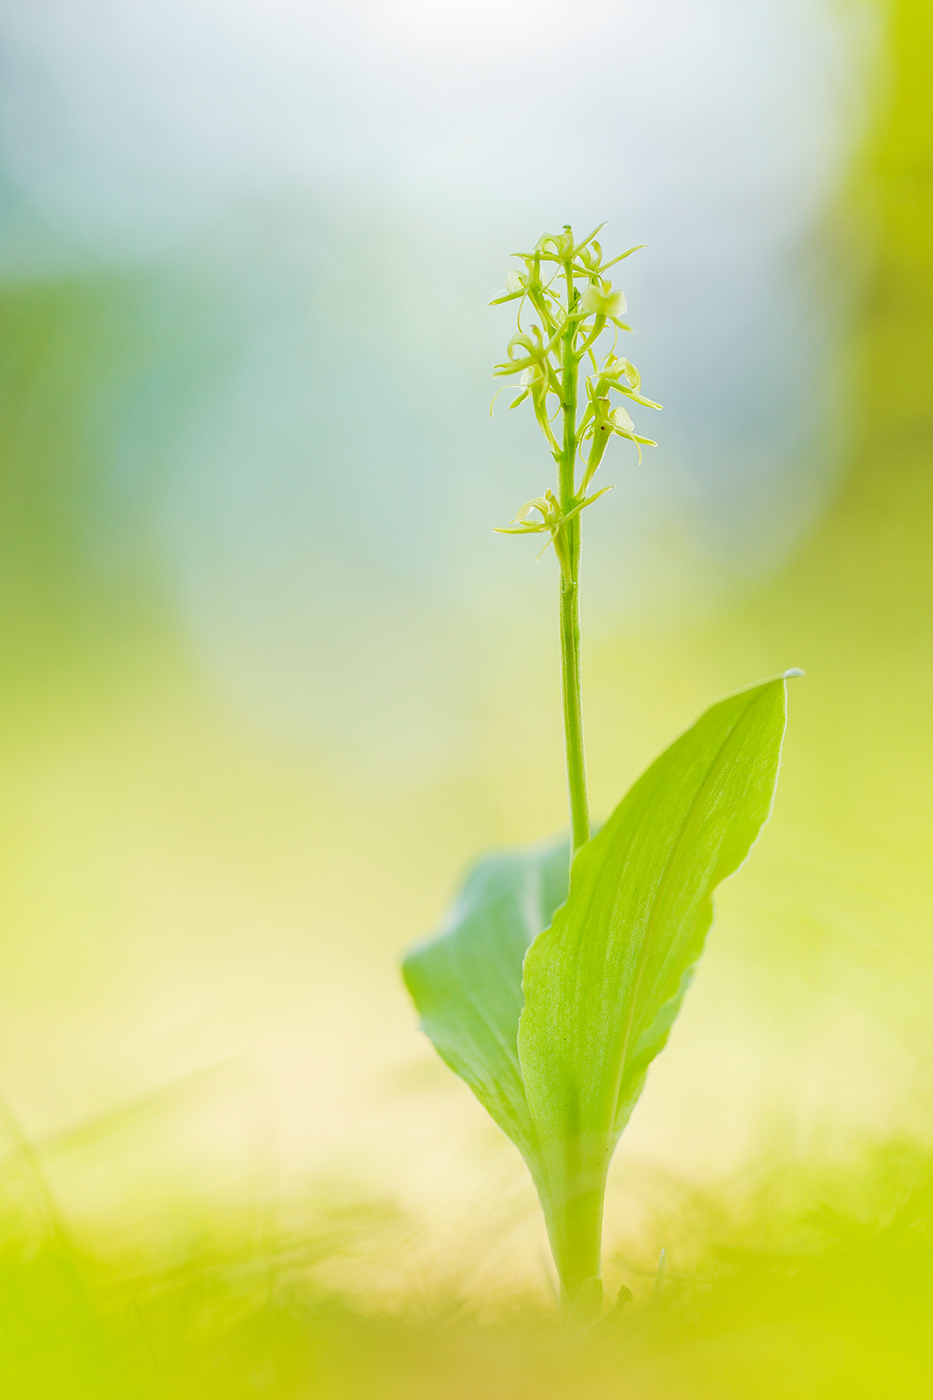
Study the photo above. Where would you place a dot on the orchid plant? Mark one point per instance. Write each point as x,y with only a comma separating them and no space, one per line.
561,968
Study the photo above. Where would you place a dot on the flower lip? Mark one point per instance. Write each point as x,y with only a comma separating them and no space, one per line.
601,300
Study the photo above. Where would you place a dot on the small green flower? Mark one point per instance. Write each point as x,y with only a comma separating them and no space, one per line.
553,519
599,299
614,373
556,246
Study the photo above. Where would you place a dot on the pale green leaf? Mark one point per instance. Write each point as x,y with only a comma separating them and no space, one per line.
604,983
467,981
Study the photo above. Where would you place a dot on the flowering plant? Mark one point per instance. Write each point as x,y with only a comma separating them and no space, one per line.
550,990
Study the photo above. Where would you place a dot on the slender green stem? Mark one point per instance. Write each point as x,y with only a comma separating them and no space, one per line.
570,591
577,1238
577,1227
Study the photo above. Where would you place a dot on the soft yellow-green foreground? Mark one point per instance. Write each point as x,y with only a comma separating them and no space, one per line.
232,1168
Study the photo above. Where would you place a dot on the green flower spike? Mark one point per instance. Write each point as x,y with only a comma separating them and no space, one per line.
572,305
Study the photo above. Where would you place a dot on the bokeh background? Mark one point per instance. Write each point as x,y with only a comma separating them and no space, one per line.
268,681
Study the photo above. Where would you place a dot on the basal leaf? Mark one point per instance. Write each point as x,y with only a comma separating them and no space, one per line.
467,981
604,983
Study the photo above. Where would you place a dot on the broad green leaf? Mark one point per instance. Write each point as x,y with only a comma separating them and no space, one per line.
604,983
467,981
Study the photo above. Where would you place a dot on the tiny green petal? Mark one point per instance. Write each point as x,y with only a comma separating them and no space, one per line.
601,300
621,421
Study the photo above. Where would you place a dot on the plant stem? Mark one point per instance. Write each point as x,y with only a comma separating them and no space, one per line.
570,591
577,1226
576,1223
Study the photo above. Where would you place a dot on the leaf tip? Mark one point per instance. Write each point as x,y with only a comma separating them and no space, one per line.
793,673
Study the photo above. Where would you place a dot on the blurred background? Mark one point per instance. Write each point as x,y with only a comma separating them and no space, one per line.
269,681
